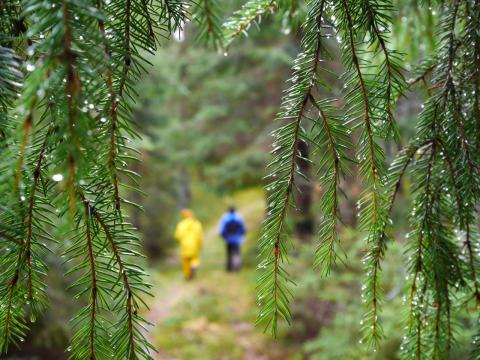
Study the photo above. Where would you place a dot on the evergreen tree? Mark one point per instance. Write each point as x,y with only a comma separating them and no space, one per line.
443,244
67,70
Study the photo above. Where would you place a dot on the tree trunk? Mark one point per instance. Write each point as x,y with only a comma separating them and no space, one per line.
184,192
304,221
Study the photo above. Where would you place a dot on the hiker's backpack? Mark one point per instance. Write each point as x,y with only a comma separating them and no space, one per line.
233,227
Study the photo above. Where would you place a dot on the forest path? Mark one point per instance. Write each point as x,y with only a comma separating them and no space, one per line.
212,316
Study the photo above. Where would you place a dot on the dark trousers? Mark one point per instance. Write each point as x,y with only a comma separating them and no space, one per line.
233,257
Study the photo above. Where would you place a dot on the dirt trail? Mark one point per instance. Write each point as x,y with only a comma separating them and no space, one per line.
161,308
215,310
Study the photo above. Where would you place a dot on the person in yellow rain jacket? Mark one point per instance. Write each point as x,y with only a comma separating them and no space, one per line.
189,233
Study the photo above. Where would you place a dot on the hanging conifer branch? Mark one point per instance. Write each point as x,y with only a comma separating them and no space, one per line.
460,203
90,332
370,168
22,282
93,272
134,35
207,15
72,84
335,137
72,88
127,58
16,289
434,249
130,309
273,292
250,13
370,155
444,133
27,127
31,205
112,109
472,34
74,117
114,97
13,325
416,319
173,15
376,21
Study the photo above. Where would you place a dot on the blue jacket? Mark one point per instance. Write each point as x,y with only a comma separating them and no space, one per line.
237,236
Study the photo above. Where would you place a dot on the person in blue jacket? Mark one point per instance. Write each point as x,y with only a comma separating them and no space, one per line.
232,229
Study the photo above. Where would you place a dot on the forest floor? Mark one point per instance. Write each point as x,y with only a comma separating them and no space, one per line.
212,317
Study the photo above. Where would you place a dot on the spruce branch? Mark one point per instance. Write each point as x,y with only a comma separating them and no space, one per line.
22,283
173,14
471,33
377,21
435,250
112,109
273,292
72,89
372,165
31,206
93,272
370,155
460,208
27,126
136,344
72,85
335,138
11,315
207,14
250,13
18,291
444,132
89,337
415,322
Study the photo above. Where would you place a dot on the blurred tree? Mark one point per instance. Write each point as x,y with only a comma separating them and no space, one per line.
203,129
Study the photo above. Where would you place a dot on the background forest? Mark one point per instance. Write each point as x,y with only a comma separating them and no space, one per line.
205,116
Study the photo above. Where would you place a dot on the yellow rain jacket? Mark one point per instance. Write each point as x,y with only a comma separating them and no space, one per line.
189,233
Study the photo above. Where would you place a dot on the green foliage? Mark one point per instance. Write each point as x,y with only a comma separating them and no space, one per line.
207,13
250,14
274,293
67,74
443,217
369,100
65,147
443,244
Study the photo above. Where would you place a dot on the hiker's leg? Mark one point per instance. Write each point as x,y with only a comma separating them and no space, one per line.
227,248
186,268
229,257
236,257
194,263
